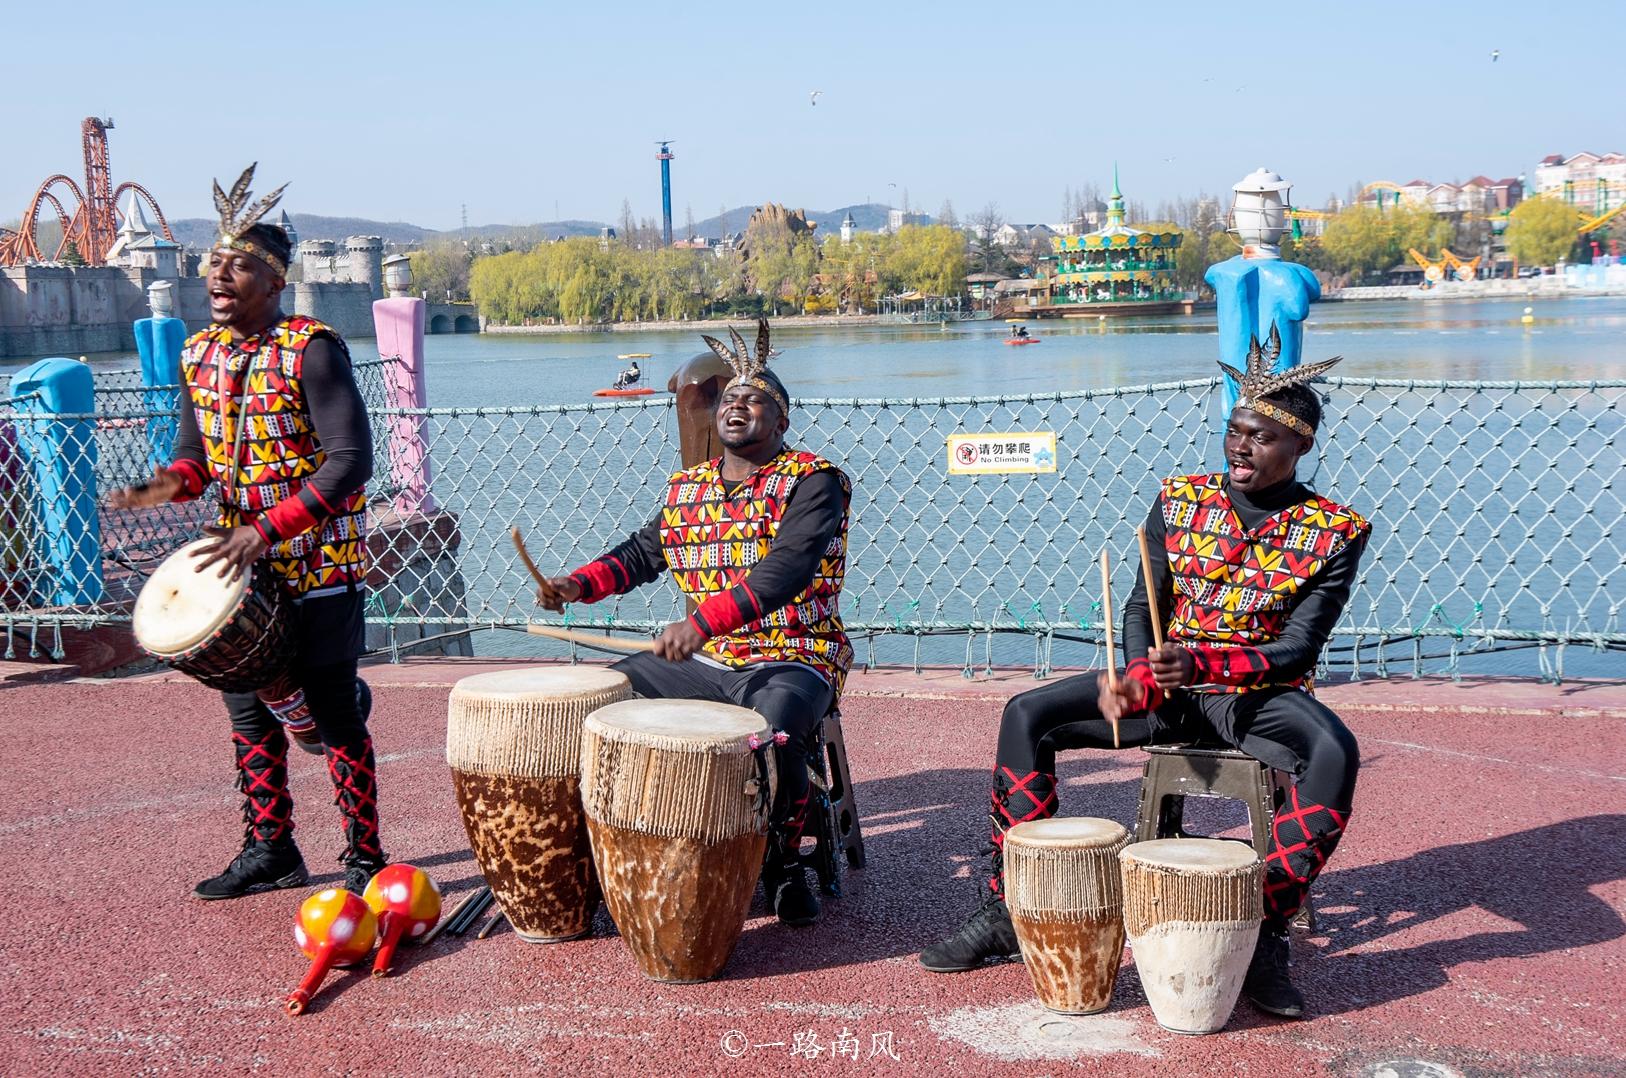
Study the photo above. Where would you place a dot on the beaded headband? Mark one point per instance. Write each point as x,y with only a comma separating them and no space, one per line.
237,217
1261,380
750,370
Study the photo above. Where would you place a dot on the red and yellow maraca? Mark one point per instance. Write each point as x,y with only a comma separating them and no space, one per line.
407,904
335,928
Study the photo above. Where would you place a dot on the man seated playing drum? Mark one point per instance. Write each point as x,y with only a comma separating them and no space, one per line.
271,413
1256,571
758,539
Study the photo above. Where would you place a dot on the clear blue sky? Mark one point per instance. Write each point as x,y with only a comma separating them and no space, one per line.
405,111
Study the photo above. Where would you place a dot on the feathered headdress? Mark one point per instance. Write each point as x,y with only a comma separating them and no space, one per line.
237,216
748,369
1262,379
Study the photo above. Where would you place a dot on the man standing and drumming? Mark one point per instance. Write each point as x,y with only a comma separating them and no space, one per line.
1256,571
758,539
270,412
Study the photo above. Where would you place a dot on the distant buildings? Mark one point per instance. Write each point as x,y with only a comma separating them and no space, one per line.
1480,195
1589,180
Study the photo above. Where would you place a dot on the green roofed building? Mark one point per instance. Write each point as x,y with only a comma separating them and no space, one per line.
1115,265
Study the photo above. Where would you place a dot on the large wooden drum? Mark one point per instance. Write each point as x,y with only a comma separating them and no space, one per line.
677,802
513,739
1063,889
1192,908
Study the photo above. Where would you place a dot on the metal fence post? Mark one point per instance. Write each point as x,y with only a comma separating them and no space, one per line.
398,323
61,457
159,340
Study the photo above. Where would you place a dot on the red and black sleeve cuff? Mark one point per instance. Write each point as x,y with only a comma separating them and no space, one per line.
603,577
1140,670
294,515
1230,666
194,480
726,612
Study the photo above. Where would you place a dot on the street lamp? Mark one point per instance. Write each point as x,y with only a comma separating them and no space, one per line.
1259,213
397,276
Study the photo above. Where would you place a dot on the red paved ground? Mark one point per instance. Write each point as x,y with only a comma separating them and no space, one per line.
1472,918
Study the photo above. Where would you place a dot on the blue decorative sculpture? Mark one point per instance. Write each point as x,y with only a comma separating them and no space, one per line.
159,340
61,457
1256,289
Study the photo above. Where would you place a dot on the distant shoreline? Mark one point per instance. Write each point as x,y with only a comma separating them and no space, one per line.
709,325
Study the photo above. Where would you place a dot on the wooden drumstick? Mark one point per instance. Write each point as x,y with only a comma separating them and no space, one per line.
1106,609
1151,589
557,633
590,639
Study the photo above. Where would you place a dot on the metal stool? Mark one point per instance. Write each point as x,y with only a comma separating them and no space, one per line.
1175,772
835,830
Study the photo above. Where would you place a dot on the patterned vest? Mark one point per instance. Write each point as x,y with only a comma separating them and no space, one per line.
1233,587
279,450
712,540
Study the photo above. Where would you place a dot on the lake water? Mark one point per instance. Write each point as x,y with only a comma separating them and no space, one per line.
493,472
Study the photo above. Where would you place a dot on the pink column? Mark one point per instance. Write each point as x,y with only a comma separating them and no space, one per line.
399,325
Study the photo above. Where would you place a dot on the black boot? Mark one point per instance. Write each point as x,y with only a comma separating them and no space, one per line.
1267,984
261,866
355,787
784,884
986,935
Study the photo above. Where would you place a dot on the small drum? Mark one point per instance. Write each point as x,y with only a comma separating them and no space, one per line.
1062,887
513,740
677,807
232,635
1192,908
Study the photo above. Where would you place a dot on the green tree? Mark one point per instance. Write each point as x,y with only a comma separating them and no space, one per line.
1540,231
1364,242
441,271
929,259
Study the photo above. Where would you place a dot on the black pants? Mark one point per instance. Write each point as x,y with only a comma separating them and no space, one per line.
1282,727
794,699
328,636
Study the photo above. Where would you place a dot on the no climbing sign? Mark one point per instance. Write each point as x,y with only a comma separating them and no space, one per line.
993,454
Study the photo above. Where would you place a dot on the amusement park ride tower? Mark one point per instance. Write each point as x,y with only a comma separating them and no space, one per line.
665,158
93,226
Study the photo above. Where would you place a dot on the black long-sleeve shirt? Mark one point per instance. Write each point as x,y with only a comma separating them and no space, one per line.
1316,606
339,418
812,515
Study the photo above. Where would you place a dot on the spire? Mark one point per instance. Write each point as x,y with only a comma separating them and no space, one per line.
135,222
1115,205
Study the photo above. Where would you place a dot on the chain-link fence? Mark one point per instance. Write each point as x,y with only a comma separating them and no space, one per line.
1493,506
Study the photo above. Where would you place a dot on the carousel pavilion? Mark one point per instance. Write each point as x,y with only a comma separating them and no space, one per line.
1116,264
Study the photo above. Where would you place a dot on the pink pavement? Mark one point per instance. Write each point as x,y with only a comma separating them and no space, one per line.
1471,922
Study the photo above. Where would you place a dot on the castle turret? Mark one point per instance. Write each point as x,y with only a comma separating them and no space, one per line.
365,255
287,226
847,226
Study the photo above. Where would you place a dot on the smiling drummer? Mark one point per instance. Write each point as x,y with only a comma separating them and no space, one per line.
758,539
1255,572
270,412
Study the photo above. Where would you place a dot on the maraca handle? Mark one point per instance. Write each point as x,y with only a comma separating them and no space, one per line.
394,925
320,965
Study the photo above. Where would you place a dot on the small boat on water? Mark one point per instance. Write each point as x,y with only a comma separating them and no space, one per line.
1019,333
634,355
630,391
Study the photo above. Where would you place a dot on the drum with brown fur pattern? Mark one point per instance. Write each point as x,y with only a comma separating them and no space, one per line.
677,797
513,739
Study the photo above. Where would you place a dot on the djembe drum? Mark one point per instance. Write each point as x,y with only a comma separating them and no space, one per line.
1192,908
676,794
1063,889
232,635
513,740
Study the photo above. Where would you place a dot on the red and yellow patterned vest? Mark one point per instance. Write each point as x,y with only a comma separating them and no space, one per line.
262,381
1233,587
712,540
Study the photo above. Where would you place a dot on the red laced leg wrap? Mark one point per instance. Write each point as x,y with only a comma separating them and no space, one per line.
1016,799
1302,839
262,776
795,823
355,789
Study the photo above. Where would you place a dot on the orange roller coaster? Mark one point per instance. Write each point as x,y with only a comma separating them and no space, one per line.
93,225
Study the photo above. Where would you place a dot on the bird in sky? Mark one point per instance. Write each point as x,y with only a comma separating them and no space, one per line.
813,98
1495,55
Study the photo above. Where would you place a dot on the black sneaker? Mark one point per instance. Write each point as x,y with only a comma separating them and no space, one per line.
793,901
1267,985
986,935
359,871
262,866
